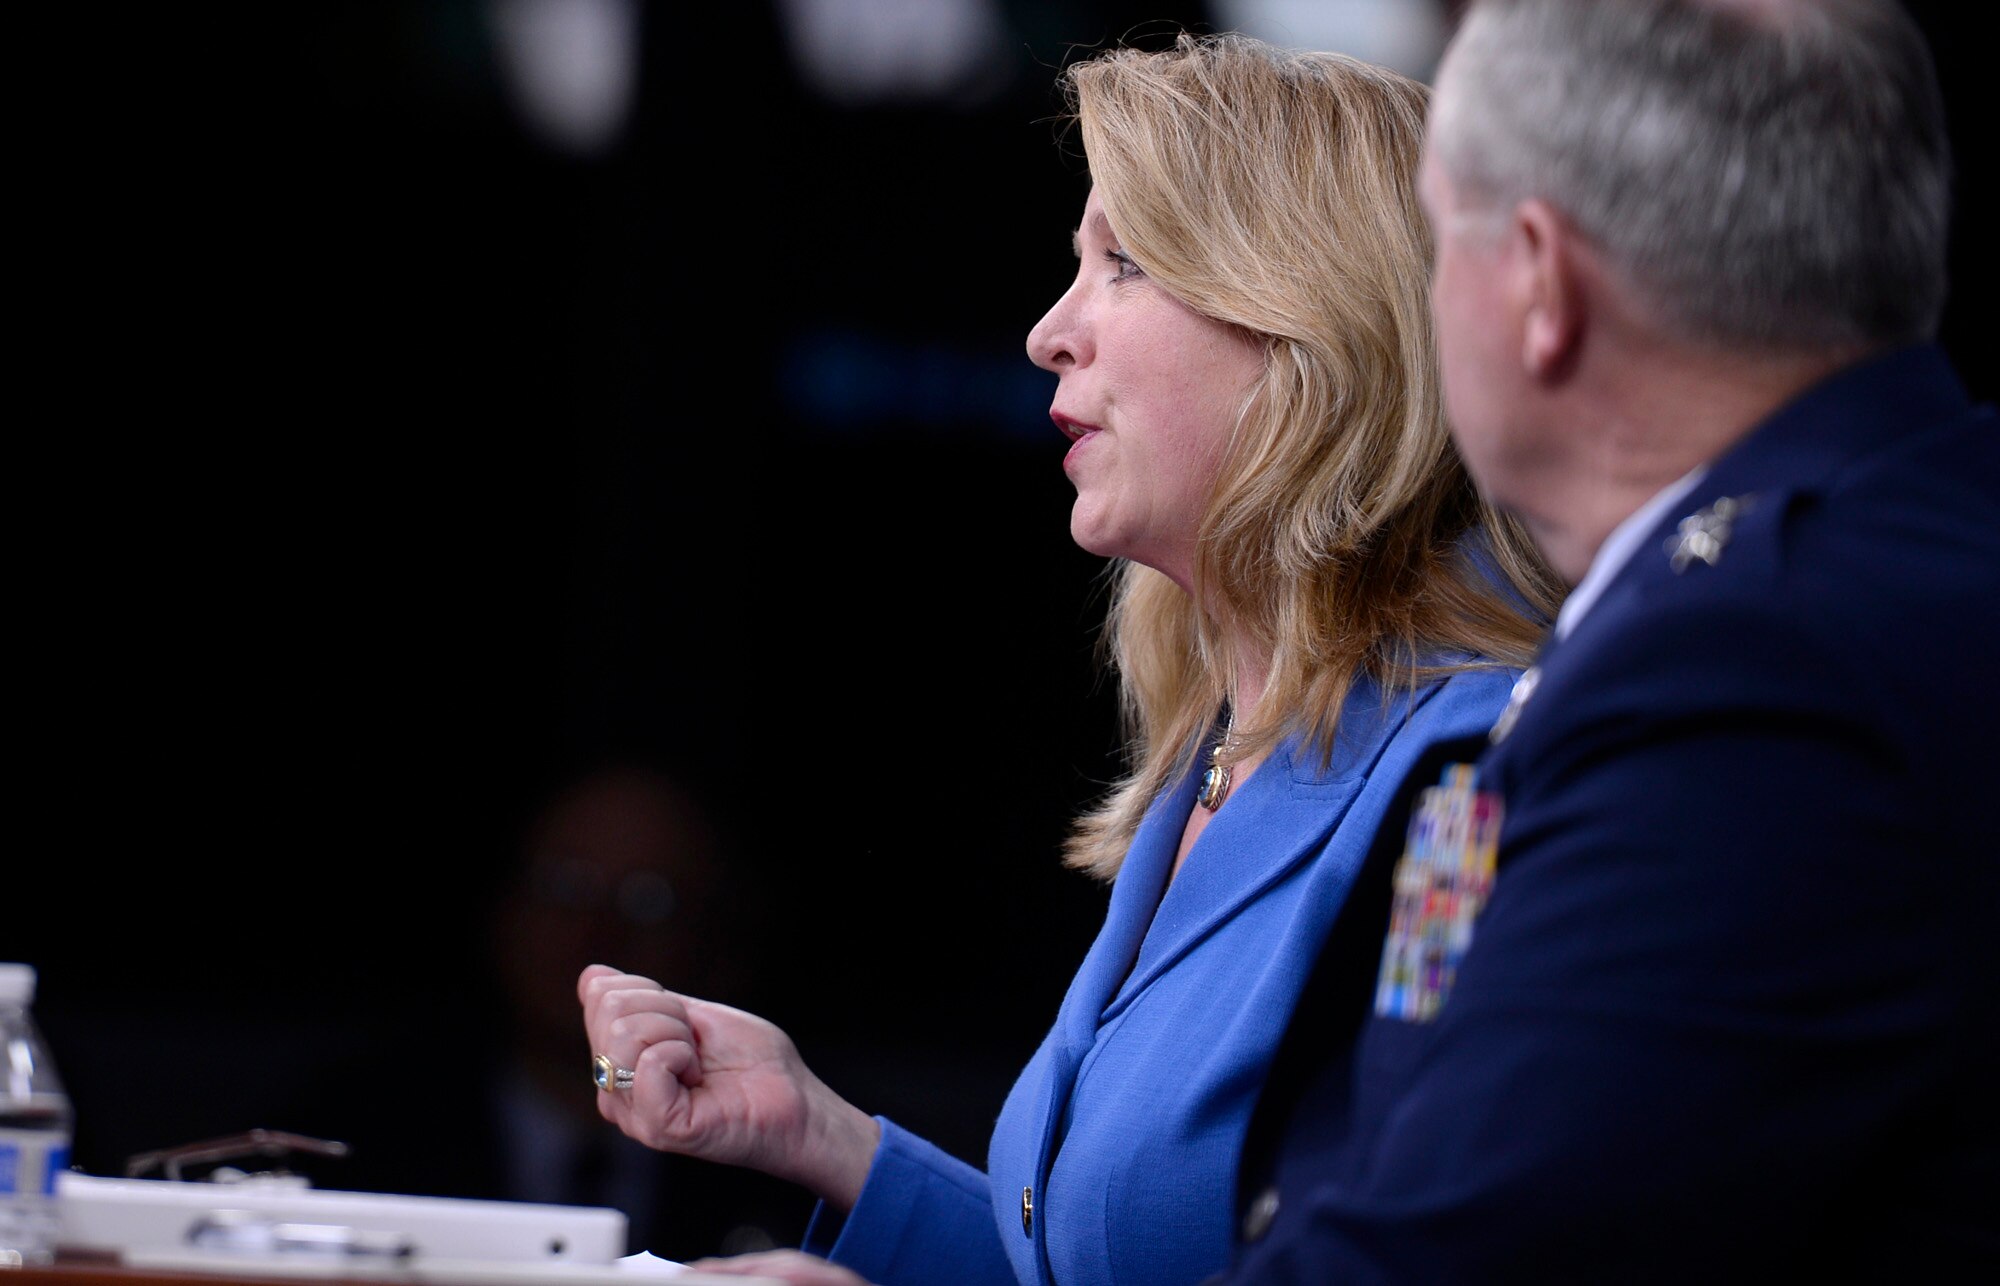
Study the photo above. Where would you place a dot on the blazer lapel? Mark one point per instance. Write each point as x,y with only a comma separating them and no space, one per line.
1135,898
1279,818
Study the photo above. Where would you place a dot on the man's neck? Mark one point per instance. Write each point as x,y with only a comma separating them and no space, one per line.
1646,419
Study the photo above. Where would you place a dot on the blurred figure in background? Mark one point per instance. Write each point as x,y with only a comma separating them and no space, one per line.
620,857
623,859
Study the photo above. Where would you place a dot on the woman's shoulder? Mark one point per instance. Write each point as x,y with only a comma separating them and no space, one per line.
1464,677
1464,700
1461,697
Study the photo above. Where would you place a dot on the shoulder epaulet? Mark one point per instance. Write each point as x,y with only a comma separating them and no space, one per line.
1702,535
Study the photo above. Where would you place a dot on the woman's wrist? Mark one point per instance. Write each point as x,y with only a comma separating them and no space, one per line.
838,1149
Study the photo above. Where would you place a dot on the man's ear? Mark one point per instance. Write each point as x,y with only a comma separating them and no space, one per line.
1550,290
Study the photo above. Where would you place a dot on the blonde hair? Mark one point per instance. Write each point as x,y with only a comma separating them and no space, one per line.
1276,191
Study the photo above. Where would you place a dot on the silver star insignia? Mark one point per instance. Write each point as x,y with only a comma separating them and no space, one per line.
1702,535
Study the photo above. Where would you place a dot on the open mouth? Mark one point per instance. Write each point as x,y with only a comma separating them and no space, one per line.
1074,430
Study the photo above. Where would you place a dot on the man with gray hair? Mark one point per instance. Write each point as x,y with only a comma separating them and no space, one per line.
1685,972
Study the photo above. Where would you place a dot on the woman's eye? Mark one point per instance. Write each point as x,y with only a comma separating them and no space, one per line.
1126,267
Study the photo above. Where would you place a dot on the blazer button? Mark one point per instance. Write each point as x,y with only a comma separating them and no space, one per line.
1027,1212
1257,1220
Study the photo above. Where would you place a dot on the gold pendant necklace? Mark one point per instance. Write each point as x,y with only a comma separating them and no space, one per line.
1215,782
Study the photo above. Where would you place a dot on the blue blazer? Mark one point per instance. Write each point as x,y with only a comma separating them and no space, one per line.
1115,1157
1732,1011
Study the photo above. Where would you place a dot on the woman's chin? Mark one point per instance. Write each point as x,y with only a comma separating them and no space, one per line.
1093,535
1095,539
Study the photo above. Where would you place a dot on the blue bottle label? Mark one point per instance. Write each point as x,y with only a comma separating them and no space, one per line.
58,1161
29,1164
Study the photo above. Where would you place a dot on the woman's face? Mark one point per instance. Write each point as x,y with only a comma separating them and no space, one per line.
1149,392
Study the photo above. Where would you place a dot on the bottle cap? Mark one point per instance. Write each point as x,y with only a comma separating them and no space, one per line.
17,984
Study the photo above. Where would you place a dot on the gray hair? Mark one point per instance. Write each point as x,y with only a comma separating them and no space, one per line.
1774,174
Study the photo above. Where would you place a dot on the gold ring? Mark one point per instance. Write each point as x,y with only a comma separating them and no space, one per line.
608,1076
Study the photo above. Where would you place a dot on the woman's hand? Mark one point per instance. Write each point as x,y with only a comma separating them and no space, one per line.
723,1085
791,1266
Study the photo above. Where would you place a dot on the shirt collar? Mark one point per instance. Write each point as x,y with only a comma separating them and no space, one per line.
1618,548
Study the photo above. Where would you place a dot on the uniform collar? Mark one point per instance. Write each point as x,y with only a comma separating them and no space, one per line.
1801,447
1619,546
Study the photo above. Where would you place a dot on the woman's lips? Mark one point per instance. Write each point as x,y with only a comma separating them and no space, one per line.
1076,430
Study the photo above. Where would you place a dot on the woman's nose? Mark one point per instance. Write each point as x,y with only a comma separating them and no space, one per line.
1057,342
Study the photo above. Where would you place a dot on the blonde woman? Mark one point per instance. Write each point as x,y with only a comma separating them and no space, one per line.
1310,594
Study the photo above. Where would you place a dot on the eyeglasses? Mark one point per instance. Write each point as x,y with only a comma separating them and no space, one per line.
268,1145
638,897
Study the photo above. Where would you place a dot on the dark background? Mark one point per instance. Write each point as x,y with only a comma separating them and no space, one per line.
384,461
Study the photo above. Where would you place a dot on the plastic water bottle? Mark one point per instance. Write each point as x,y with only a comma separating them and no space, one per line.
34,1127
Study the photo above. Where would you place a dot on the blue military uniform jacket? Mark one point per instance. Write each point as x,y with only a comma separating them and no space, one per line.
1732,1007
